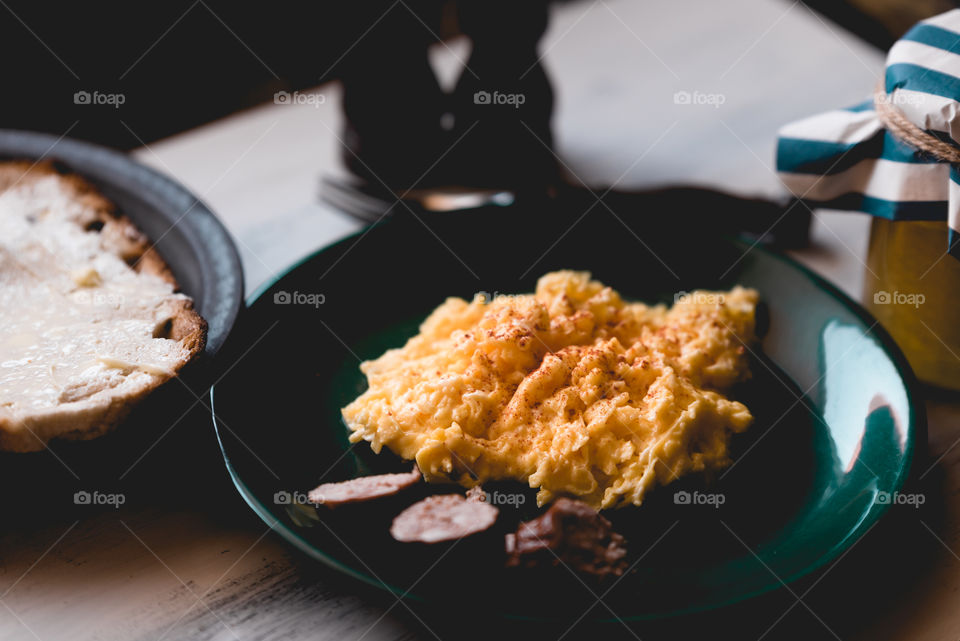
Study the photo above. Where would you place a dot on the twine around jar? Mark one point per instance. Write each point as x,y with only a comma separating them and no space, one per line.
897,123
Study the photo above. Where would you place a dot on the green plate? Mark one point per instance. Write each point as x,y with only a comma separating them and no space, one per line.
835,428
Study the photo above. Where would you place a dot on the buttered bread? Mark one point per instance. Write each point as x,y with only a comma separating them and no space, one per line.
90,317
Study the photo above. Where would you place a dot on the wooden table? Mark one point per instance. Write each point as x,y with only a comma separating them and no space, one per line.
197,564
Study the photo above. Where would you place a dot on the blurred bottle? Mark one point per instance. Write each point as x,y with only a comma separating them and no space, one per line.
402,131
391,99
503,102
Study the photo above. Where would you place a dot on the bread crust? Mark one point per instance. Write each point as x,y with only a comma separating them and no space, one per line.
92,418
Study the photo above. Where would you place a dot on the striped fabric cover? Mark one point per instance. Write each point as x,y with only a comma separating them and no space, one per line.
845,159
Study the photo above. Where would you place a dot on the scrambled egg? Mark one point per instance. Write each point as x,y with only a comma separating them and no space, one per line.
571,390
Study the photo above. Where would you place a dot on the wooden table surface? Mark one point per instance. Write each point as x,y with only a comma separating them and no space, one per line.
195,563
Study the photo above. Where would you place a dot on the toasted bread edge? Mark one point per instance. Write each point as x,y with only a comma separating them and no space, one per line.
124,239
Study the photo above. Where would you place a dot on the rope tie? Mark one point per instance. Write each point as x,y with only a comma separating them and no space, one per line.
897,123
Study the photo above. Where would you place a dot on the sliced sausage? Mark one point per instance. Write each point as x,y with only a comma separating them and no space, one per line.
364,488
442,518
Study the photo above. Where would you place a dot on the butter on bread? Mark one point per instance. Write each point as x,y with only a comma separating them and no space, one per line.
90,317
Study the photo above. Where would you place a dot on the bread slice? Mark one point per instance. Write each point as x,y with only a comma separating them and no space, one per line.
90,317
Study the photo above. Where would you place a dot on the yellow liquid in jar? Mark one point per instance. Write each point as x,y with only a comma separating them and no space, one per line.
913,289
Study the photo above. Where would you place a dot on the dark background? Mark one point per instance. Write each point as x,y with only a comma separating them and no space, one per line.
182,63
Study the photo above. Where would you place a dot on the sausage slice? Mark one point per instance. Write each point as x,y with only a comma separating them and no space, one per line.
442,518
364,488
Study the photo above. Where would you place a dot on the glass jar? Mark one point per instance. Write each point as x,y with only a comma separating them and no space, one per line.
913,289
